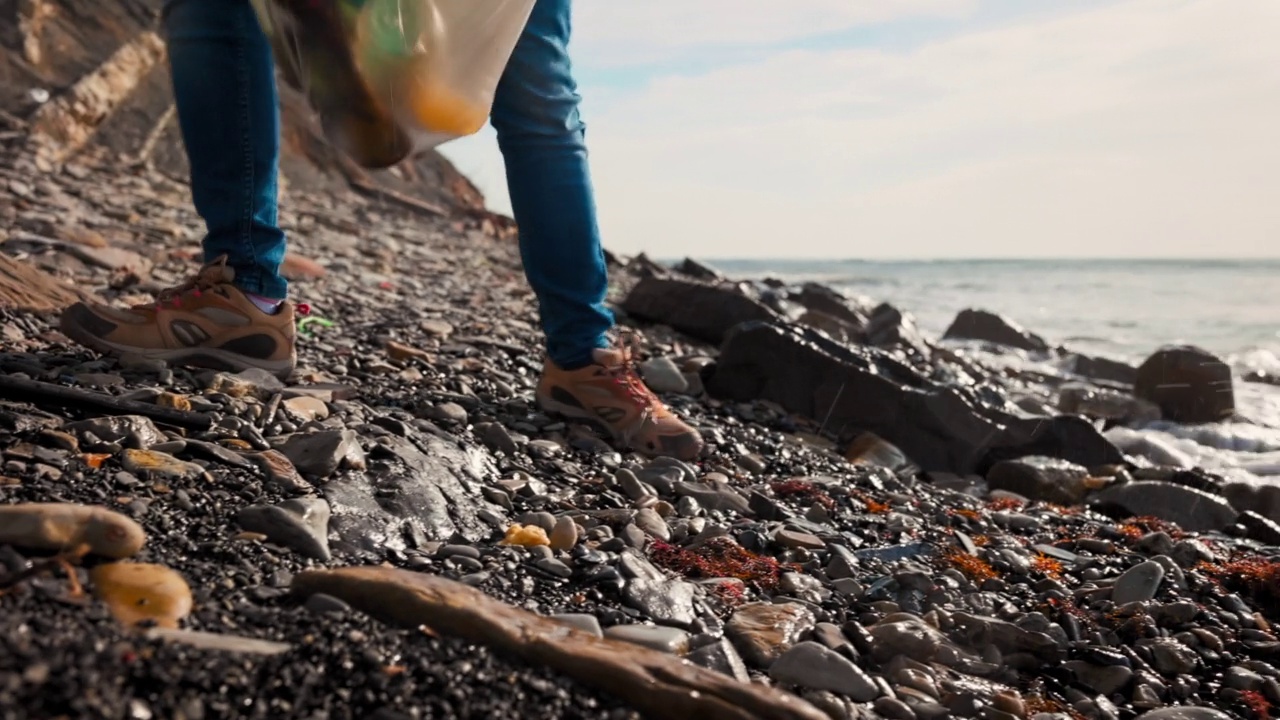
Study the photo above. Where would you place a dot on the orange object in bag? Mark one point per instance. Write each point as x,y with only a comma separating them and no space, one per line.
388,77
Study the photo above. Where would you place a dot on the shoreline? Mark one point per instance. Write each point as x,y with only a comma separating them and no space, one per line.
799,557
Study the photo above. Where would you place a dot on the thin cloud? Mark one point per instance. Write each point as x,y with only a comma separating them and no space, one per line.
1141,128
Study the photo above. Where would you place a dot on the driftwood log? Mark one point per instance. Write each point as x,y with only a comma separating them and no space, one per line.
658,684
26,287
43,394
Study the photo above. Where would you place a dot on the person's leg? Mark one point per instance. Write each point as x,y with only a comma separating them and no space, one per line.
541,135
224,317
224,87
542,138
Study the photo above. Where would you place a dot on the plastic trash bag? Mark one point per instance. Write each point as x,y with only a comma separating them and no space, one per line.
390,77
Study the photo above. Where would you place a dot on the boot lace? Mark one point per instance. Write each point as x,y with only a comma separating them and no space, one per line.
626,376
207,278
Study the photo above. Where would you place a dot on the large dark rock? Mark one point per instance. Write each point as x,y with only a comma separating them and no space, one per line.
892,329
1100,368
990,327
414,491
1040,478
856,387
837,328
701,310
698,270
816,297
1188,383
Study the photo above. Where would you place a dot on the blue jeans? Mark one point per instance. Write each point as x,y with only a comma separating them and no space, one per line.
228,111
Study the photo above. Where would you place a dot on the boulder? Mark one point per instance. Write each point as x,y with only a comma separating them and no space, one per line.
993,328
698,309
1103,404
1099,368
1188,383
1040,478
1191,509
822,299
698,270
889,328
1263,499
830,324
940,427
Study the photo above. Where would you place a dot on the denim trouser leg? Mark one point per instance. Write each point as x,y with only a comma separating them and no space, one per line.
224,86
535,114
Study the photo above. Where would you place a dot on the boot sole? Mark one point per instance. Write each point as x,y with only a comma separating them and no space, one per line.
569,412
207,358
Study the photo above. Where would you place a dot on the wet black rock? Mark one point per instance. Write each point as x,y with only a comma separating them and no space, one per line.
321,453
1040,478
990,327
699,270
937,426
890,328
1100,368
1257,527
301,524
423,486
699,309
822,299
1188,383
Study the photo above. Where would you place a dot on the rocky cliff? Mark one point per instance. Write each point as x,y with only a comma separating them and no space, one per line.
86,78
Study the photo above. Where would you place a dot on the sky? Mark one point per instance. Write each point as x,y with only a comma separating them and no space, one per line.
926,128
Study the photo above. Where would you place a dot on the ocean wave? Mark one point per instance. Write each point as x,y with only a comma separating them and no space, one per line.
1263,359
1167,448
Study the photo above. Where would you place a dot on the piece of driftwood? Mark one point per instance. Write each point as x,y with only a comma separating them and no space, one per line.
408,201
26,287
43,393
658,684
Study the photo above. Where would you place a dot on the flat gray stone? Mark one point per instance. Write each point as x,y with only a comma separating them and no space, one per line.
664,639
721,657
762,631
664,601
811,665
662,376
301,524
1191,509
421,487
1138,583
714,498
1184,713
581,621
321,453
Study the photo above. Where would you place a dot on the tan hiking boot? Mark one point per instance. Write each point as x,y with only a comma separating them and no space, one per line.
204,322
610,393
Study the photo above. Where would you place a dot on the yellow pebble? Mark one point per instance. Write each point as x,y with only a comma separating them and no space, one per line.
526,535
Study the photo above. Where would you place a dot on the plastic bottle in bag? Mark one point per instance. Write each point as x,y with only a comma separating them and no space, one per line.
427,69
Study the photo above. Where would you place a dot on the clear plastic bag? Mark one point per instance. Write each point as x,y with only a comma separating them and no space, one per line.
388,77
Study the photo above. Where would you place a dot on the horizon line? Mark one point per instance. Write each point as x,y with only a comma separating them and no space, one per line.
979,258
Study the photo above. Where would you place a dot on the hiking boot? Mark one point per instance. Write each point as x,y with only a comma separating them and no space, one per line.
610,393
204,322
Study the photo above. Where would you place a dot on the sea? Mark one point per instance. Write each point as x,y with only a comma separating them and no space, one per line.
1121,309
